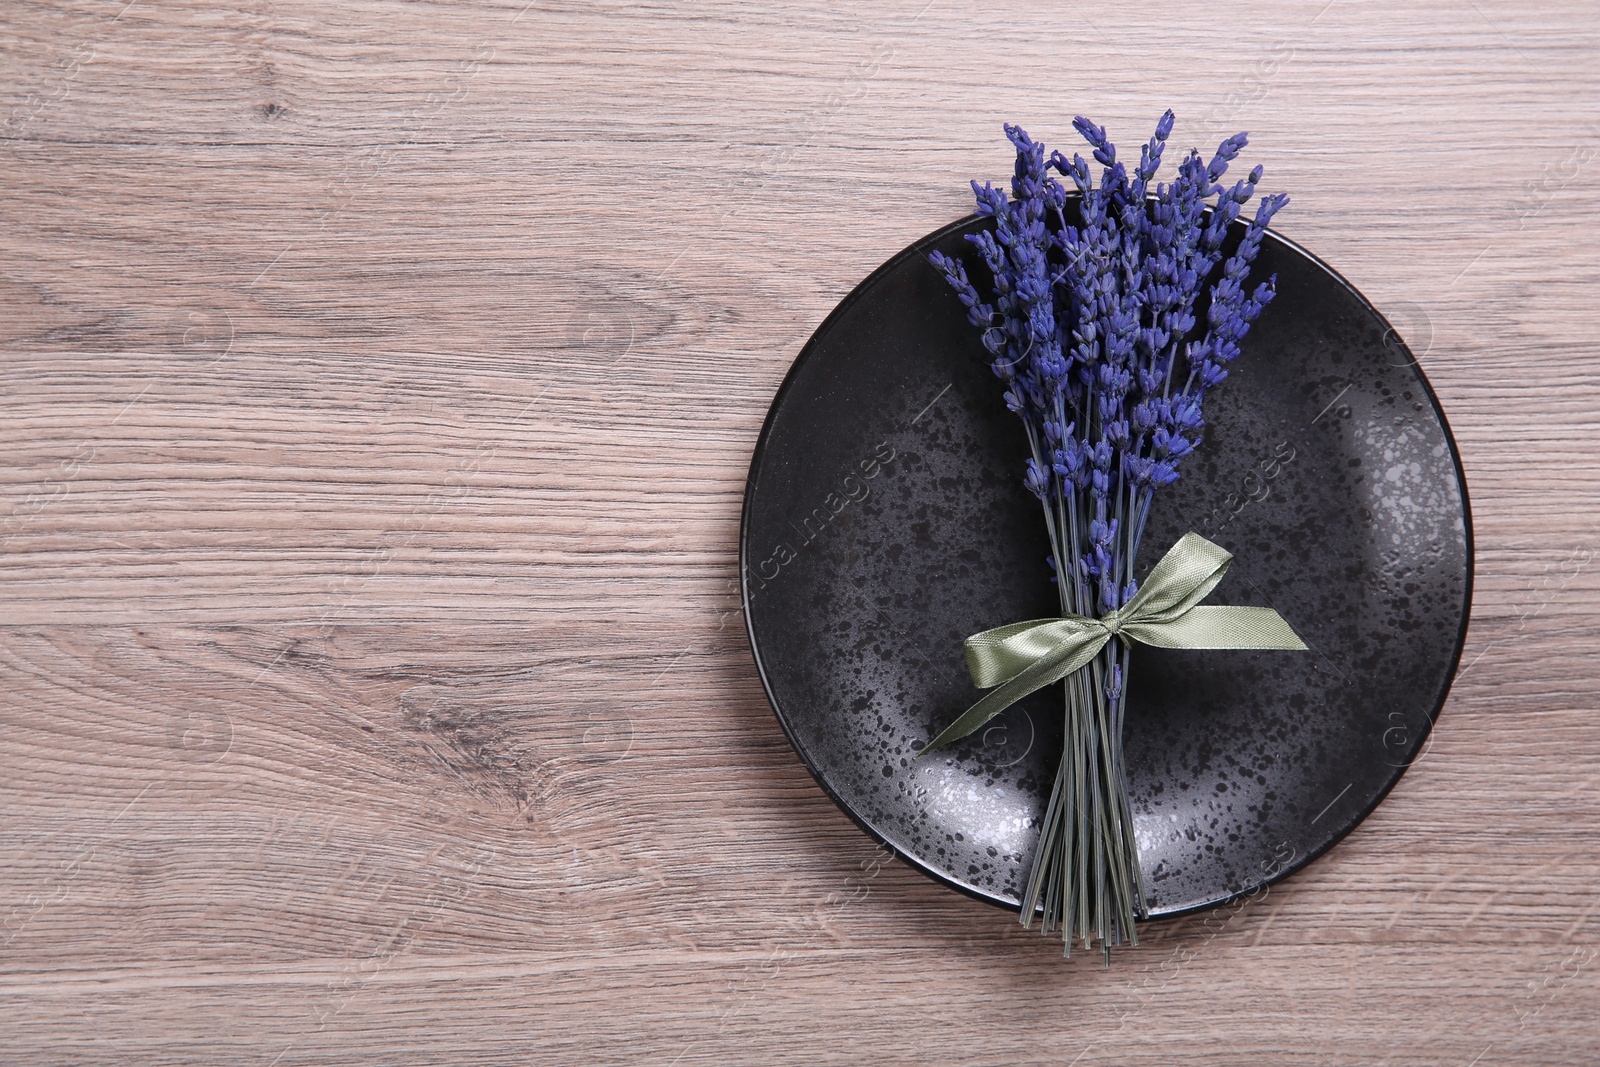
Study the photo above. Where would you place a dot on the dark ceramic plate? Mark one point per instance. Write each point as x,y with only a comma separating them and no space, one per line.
885,521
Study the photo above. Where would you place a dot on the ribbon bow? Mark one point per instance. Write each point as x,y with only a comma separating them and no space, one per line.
1166,612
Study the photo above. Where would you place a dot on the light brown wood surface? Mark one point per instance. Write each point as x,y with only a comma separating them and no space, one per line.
379,385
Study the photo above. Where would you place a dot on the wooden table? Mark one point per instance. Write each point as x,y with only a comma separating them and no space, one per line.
379,386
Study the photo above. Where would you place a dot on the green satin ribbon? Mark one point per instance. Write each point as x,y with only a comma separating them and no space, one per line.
1166,612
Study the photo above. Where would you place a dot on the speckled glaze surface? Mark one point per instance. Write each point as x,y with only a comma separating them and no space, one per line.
885,521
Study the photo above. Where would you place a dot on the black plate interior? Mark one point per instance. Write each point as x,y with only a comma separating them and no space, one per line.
885,521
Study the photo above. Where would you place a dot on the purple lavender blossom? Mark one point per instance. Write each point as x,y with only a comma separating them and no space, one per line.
1092,327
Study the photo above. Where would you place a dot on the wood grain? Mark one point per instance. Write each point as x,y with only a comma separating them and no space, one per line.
379,384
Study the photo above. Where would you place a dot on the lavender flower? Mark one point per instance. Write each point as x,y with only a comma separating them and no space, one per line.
1093,327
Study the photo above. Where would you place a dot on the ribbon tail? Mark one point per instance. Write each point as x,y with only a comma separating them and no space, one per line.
1071,654
1211,626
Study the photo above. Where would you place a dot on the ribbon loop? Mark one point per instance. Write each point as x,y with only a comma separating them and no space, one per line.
1020,658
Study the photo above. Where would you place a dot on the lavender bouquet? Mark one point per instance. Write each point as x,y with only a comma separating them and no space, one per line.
1107,326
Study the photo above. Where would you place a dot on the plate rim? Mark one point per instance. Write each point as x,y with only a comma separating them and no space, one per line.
808,350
